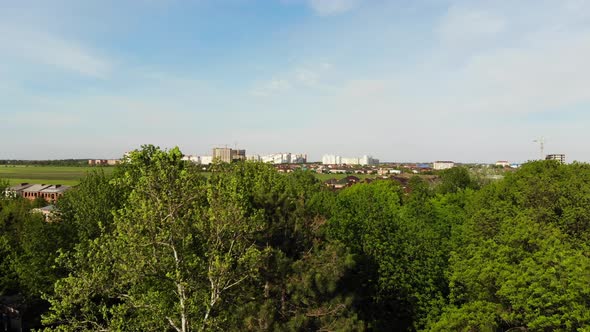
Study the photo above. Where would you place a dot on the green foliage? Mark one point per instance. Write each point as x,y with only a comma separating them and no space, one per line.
88,209
399,249
157,246
3,186
455,179
521,260
40,202
186,254
292,229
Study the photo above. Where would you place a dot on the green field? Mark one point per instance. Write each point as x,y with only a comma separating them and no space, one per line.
46,174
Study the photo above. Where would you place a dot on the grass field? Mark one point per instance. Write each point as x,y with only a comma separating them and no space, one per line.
46,174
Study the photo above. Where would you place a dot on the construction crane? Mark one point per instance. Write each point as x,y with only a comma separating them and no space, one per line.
541,142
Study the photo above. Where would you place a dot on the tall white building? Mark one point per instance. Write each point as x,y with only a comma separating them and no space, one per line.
368,160
331,159
277,158
299,158
349,161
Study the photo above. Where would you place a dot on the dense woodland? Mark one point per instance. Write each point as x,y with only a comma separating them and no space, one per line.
156,246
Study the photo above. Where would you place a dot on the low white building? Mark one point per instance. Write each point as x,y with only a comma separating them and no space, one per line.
330,159
502,163
194,159
440,165
206,160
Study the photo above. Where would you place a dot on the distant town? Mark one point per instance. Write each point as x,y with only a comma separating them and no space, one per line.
352,167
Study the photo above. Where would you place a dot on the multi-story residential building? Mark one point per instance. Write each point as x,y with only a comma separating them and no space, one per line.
368,160
228,155
502,163
558,157
330,159
238,155
277,158
299,158
338,160
222,154
194,159
349,161
443,164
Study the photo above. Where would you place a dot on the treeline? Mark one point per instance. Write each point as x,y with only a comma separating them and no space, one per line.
156,246
60,162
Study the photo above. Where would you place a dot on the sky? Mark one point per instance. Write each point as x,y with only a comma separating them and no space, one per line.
401,80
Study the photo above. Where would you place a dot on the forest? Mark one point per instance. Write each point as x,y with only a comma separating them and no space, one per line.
158,246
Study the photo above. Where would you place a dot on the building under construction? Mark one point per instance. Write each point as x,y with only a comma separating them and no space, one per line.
228,155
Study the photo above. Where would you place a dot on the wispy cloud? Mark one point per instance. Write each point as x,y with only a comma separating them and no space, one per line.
531,68
18,44
378,74
270,88
299,77
466,26
332,7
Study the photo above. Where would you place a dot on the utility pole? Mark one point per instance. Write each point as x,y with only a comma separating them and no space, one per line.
541,142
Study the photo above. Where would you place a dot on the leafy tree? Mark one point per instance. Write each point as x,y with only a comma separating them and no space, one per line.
3,186
177,248
521,262
88,210
455,179
40,202
292,207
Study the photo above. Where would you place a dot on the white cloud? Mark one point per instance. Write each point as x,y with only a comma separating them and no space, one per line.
272,87
534,78
326,65
302,77
307,77
39,47
332,7
506,63
464,25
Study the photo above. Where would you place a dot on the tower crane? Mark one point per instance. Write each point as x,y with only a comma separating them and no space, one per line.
541,142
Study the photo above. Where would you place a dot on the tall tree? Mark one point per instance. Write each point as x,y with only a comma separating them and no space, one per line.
178,246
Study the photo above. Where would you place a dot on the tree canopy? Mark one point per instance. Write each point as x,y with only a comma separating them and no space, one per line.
160,246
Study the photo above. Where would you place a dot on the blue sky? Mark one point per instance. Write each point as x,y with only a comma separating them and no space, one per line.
402,80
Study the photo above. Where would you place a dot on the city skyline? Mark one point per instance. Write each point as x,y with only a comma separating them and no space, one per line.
267,156
399,80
